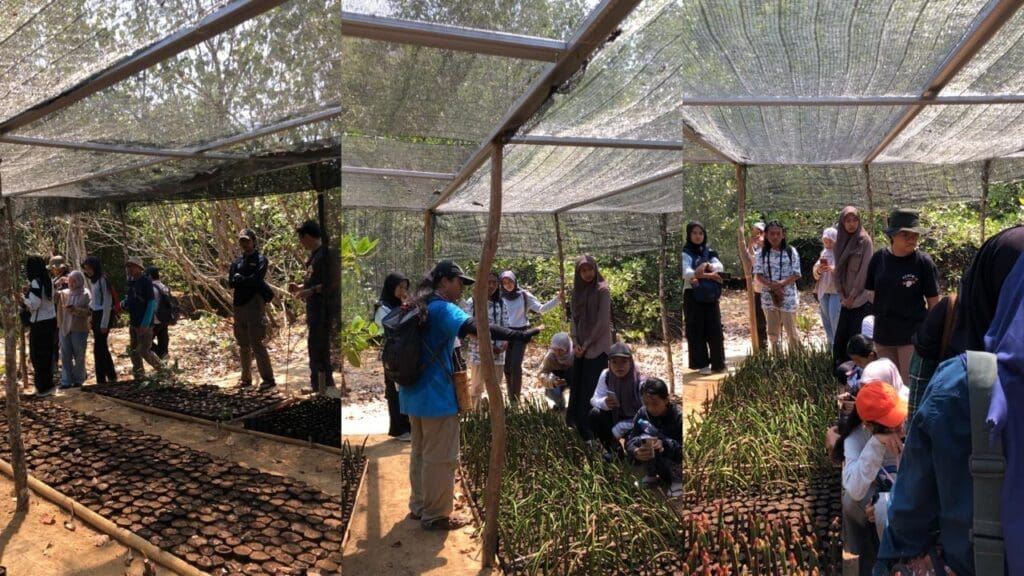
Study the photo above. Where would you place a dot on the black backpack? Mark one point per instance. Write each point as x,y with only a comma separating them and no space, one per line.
167,309
404,329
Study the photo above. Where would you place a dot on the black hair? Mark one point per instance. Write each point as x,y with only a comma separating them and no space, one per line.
153,272
860,345
310,228
654,387
35,269
846,427
387,292
97,267
783,248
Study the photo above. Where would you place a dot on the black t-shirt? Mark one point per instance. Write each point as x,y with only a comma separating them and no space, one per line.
901,285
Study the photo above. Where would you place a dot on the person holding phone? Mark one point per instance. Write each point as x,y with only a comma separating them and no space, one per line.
616,400
656,438
828,297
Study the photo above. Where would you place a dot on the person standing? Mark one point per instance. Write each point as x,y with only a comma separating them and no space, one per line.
431,403
753,252
777,270
828,298
392,295
101,303
702,289
162,319
592,339
905,283
247,277
141,305
518,303
38,299
497,315
73,319
853,250
321,282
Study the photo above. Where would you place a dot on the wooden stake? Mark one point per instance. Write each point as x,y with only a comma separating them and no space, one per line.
11,326
561,267
871,200
496,405
122,209
986,170
748,265
666,337
428,241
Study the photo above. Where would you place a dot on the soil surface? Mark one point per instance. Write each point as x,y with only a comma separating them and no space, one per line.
382,541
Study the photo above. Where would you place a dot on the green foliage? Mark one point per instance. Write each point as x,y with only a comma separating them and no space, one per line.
357,334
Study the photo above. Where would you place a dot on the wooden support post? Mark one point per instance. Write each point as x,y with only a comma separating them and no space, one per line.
9,311
748,265
496,405
986,171
665,335
871,200
428,240
561,267
122,210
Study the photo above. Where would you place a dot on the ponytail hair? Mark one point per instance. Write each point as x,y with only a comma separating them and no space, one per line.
860,345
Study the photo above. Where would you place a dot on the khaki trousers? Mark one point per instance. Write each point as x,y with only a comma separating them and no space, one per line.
141,343
250,331
477,386
900,356
432,464
777,320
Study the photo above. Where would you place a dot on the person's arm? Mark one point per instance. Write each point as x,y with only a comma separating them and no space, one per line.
108,303
33,302
535,306
598,400
869,280
930,282
604,317
688,272
497,332
672,439
632,438
254,280
716,266
82,309
862,464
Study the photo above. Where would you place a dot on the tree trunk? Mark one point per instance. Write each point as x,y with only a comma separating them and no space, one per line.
9,311
666,337
986,170
748,268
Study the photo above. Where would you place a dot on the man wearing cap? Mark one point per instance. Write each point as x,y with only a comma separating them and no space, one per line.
319,291
905,284
431,403
246,277
141,306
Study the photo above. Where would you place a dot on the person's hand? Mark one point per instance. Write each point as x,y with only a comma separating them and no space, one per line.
643,454
658,446
611,402
870,510
715,276
578,351
892,443
831,438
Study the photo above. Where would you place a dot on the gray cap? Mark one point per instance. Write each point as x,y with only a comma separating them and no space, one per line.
620,350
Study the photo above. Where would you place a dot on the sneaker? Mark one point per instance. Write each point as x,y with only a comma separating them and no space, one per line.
244,384
407,437
706,371
413,516
45,393
267,385
444,524
676,490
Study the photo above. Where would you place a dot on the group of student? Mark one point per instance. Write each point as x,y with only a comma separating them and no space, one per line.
62,306
610,403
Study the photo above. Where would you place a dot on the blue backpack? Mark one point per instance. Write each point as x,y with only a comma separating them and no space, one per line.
706,291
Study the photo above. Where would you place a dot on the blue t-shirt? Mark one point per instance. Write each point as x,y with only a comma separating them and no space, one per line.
433,395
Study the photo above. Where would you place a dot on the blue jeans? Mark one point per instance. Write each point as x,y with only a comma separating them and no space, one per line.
72,358
829,308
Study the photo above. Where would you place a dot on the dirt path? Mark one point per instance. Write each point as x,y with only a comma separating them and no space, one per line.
382,541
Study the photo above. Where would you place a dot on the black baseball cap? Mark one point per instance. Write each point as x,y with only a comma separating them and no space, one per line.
449,269
309,228
620,350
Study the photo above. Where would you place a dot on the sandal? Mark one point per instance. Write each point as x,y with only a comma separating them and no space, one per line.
445,524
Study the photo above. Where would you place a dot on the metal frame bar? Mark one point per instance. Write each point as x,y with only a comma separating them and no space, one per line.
590,36
996,13
396,173
224,19
117,148
581,142
768,102
628,188
692,135
446,37
318,116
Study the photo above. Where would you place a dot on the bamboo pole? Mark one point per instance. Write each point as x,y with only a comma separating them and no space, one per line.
428,240
871,200
748,266
986,170
496,407
561,267
122,209
8,293
662,266
102,525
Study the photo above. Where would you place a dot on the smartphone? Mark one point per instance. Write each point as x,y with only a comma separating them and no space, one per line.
824,262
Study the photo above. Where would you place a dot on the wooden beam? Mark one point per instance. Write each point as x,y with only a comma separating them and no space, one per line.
496,404
986,171
871,201
429,219
561,267
748,268
11,325
665,335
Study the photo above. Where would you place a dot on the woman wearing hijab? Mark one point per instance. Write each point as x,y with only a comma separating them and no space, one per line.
931,507
101,303
38,299
853,250
828,299
393,295
518,303
497,315
702,289
592,338
616,400
73,319
556,369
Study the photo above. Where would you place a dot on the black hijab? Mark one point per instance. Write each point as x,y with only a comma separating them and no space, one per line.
697,250
387,293
980,286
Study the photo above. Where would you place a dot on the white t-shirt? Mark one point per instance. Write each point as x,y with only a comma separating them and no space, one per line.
41,308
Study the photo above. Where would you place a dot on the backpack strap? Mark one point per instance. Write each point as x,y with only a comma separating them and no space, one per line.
987,467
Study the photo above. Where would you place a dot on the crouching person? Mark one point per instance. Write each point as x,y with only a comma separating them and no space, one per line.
656,438
616,400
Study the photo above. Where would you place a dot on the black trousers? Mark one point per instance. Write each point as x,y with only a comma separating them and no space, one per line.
704,338
162,338
586,372
102,360
514,367
41,342
601,423
319,343
399,423
850,320
762,321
